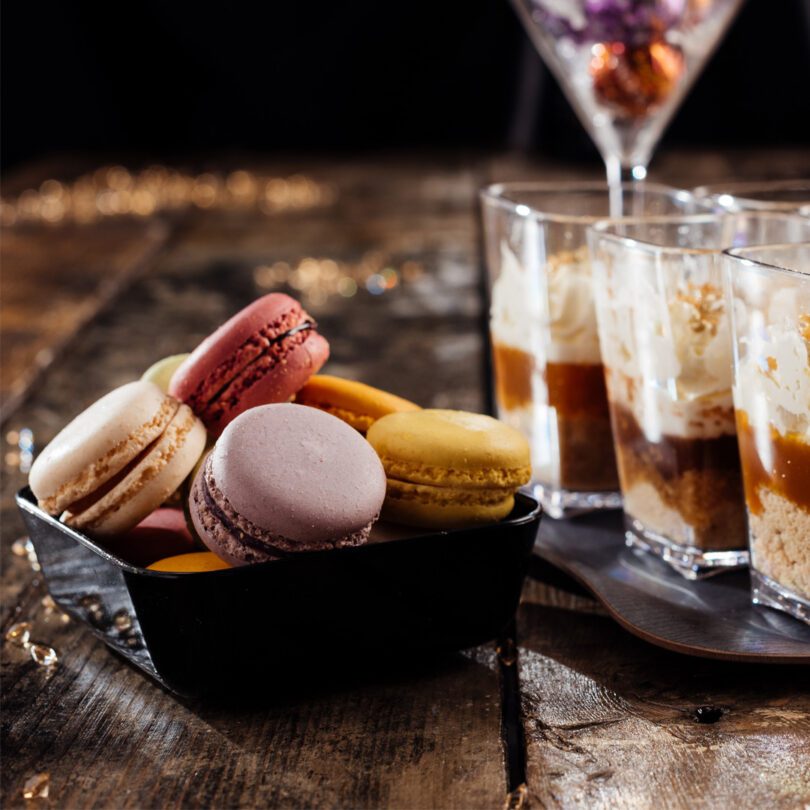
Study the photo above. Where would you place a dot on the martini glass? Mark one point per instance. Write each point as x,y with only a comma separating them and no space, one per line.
625,66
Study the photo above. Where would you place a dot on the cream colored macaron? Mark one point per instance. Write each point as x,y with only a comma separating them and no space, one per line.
118,460
448,469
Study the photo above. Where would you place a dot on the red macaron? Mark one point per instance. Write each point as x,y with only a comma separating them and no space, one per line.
263,354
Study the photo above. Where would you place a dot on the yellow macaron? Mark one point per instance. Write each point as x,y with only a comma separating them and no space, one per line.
356,403
195,562
448,469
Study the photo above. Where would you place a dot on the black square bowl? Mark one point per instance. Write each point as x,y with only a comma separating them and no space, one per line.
249,626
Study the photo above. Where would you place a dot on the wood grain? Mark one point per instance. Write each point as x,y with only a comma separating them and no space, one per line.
611,722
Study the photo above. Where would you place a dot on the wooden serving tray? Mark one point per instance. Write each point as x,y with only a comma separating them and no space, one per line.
712,618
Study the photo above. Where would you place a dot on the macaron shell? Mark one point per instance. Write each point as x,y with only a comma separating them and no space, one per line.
156,476
451,449
229,368
161,373
218,538
273,379
231,540
356,403
197,562
99,443
299,472
218,349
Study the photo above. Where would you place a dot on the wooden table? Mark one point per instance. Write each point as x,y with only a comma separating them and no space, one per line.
578,714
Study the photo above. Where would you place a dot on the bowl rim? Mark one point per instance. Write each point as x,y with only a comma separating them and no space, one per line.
26,501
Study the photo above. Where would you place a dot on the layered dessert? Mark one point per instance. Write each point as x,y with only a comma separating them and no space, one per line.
773,419
549,380
667,355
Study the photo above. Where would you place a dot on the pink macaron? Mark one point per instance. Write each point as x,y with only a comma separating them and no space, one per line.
164,533
263,354
283,479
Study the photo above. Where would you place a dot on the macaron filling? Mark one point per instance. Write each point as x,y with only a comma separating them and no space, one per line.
249,363
149,463
245,541
113,466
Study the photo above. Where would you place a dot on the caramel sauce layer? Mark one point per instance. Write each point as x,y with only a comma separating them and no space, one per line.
513,376
577,389
574,389
788,474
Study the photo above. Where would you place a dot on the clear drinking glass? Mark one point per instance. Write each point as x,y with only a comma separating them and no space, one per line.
770,290
785,196
548,373
666,347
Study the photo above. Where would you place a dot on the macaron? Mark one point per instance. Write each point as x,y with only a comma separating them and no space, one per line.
161,373
162,534
118,460
263,354
356,403
283,479
197,562
449,469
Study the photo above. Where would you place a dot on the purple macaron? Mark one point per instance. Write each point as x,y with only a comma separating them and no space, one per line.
283,479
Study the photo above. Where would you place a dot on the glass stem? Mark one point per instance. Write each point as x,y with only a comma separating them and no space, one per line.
618,174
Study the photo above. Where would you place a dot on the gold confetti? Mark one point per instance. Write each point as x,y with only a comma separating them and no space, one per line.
19,634
37,786
44,655
20,547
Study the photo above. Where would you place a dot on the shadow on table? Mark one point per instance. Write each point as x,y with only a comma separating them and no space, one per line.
570,648
319,679
451,694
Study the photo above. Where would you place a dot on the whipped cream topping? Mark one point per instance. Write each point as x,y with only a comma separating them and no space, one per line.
666,341
773,378
546,308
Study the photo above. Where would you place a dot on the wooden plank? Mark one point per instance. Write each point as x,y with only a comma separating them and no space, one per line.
612,722
427,738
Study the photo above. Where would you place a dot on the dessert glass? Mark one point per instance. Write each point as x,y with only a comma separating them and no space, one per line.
770,291
548,376
667,351
785,196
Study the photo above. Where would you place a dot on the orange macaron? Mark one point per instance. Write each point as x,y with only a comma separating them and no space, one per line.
356,403
197,562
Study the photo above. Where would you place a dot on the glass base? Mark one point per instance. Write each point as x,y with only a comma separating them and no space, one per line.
565,503
690,562
764,591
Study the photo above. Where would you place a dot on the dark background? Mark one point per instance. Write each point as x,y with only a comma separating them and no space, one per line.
165,79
